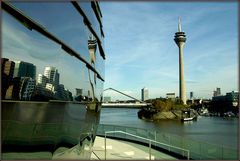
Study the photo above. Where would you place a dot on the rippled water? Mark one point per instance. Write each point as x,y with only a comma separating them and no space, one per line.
215,130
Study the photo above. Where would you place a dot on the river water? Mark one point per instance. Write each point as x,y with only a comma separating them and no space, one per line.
215,130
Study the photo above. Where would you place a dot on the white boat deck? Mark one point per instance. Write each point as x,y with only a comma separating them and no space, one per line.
123,150
116,150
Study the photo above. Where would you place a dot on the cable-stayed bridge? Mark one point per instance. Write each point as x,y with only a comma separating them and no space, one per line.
133,104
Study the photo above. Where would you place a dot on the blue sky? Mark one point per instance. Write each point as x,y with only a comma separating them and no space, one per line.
141,52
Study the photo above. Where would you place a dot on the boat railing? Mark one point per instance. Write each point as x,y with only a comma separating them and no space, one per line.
199,149
148,140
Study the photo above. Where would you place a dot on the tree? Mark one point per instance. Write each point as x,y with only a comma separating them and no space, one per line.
162,104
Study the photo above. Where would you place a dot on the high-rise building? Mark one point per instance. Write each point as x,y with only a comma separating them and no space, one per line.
51,87
42,80
144,92
21,88
191,95
79,92
68,95
28,88
62,93
171,96
14,90
7,71
52,74
217,92
24,69
180,39
7,67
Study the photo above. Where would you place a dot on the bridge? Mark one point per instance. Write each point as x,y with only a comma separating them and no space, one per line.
124,105
137,104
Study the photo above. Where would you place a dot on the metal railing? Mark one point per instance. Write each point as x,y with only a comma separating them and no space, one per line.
149,140
96,155
199,149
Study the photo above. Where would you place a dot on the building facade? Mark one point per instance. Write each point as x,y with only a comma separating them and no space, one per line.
171,96
42,80
24,69
225,103
52,74
7,71
217,92
28,87
144,94
191,95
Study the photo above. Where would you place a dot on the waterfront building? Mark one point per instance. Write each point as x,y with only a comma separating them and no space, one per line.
50,87
28,87
191,95
171,96
79,92
42,80
42,94
13,91
69,95
233,97
7,67
180,39
144,93
21,88
24,69
7,71
225,103
217,92
52,74
62,93
8,93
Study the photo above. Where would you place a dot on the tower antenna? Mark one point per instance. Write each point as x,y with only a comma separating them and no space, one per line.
179,24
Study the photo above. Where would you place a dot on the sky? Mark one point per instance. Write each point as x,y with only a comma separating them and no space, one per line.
140,50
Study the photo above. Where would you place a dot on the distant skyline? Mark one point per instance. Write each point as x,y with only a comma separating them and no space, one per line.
141,52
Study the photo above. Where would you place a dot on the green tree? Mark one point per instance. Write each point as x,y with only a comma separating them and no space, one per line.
163,104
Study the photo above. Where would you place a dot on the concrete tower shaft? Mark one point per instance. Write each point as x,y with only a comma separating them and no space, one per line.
180,39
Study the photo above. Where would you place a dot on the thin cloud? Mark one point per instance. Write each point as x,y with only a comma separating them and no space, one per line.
141,48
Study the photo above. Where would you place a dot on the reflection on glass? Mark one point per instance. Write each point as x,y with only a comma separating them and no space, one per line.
21,85
34,68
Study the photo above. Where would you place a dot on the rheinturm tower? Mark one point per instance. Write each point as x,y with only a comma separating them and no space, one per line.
180,39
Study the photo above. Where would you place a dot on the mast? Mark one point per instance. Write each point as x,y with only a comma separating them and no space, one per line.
179,25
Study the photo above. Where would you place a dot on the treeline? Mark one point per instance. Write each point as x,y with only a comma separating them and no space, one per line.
163,104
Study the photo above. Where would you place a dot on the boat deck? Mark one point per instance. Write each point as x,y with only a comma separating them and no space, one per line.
124,150
116,150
